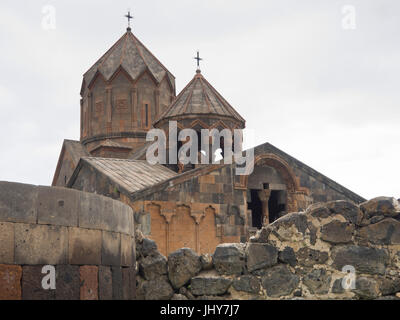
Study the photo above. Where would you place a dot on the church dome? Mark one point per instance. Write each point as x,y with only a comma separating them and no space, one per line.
199,101
122,94
133,57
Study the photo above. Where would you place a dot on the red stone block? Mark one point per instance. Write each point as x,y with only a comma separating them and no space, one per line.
10,282
89,283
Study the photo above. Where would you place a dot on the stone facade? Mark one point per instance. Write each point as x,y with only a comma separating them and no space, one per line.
314,254
126,93
87,238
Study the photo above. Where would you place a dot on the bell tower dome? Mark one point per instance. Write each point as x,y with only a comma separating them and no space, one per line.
121,96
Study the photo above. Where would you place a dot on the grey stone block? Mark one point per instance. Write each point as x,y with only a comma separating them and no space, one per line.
6,243
40,244
84,246
105,283
18,202
58,206
363,259
111,249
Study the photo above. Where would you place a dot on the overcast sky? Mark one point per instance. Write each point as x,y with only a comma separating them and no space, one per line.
327,95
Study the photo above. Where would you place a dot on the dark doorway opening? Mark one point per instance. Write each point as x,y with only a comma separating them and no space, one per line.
255,205
276,207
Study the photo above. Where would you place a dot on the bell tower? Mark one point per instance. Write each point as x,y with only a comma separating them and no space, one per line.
121,96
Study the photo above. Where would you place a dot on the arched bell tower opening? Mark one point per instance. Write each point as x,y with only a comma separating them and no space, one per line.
272,190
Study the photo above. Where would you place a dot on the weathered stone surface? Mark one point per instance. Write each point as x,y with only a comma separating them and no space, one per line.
337,286
10,282
366,288
40,244
318,281
32,284
67,282
386,206
183,264
58,206
318,210
308,257
6,243
384,232
153,266
148,246
206,261
363,259
127,250
186,293
208,285
98,212
158,289
337,232
18,202
105,283
347,209
117,292
288,256
84,246
111,249
313,233
229,258
376,219
127,290
388,286
262,235
260,255
179,297
279,281
89,283
282,227
247,283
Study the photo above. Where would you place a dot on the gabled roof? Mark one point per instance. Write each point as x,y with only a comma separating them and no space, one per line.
132,56
132,175
75,149
200,98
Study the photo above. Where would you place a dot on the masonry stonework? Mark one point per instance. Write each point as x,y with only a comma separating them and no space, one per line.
303,255
75,232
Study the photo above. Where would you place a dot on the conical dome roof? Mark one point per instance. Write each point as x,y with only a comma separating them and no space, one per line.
130,54
200,98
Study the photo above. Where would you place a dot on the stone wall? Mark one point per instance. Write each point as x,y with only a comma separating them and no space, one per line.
303,255
87,238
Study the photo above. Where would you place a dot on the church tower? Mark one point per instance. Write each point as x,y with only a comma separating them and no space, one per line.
121,96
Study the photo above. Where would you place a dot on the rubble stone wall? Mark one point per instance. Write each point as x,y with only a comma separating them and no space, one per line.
333,250
87,238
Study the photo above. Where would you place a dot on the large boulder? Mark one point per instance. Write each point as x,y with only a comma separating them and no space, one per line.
260,255
363,259
183,264
247,283
229,258
349,210
279,281
384,232
318,210
337,232
288,256
209,285
153,266
289,226
157,289
366,288
309,257
386,206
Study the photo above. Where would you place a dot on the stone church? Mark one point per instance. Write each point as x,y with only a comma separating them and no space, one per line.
127,92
